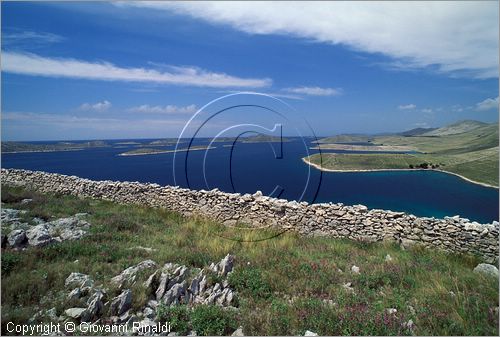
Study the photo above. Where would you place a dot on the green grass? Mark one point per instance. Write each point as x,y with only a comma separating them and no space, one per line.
473,154
370,161
283,284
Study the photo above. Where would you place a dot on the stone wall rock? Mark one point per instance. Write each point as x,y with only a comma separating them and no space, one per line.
357,222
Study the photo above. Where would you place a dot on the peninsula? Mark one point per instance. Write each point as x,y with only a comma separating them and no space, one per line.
468,149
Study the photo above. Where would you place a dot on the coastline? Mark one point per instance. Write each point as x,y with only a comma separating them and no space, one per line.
316,166
166,151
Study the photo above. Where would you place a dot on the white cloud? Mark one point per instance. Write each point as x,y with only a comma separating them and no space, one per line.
456,37
427,110
17,37
53,119
99,106
62,122
31,64
487,104
315,91
407,107
273,94
457,108
167,109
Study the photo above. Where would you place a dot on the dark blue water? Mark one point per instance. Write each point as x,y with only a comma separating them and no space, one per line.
254,166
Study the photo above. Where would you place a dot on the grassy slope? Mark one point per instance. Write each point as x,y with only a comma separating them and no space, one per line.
477,139
473,154
267,273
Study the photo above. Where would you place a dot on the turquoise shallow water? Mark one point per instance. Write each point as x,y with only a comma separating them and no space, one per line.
253,167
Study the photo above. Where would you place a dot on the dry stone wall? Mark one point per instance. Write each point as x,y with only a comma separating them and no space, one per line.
453,234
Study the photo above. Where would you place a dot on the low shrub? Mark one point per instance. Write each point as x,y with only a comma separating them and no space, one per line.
249,281
177,316
9,261
210,320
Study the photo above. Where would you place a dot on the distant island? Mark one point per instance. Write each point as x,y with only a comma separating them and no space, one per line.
259,138
468,149
127,143
149,151
18,147
164,142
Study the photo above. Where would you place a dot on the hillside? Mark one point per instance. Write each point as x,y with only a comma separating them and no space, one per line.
416,132
286,285
456,128
473,154
479,138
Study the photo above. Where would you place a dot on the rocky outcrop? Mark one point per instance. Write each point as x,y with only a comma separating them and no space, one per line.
486,269
121,303
453,234
78,280
38,233
129,274
17,238
39,236
169,285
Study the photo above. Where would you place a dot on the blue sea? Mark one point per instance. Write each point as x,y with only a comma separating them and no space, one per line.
275,169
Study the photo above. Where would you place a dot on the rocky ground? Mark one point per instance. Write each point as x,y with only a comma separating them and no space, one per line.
126,265
166,286
19,232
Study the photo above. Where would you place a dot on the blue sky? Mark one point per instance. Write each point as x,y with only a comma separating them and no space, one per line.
140,70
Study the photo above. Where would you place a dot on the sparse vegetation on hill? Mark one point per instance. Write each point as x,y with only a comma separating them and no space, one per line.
456,128
284,286
416,132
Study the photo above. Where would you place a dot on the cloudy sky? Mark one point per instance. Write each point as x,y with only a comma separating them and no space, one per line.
140,70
